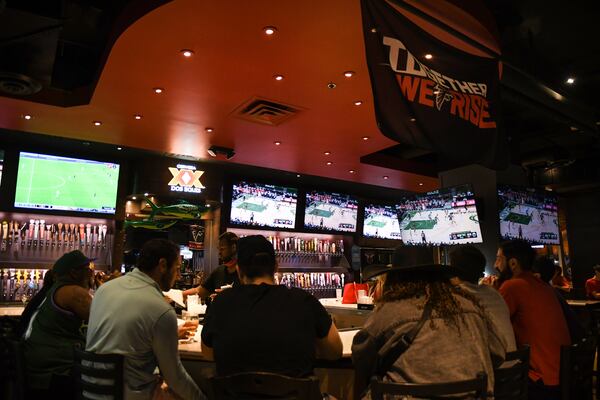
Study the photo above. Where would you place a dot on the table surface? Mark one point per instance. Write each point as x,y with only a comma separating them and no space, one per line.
11,311
581,303
193,350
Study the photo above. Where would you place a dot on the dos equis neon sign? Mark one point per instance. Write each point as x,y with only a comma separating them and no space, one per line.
186,179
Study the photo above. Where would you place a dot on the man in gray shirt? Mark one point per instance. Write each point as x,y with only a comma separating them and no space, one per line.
469,263
129,316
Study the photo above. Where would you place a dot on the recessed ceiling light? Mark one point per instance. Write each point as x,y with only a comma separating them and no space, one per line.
365,138
209,130
327,153
119,148
298,176
570,80
358,102
420,183
373,30
329,163
27,116
413,119
137,116
349,74
331,85
386,177
97,123
145,194
158,90
278,77
574,129
134,198
428,56
187,53
351,171
269,30
277,143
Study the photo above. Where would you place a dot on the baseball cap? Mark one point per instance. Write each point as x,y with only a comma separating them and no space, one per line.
248,247
70,261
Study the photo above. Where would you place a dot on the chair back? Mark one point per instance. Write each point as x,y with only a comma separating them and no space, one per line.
471,388
12,367
263,385
510,383
98,375
577,369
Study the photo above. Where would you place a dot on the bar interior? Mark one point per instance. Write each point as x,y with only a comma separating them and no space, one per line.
383,150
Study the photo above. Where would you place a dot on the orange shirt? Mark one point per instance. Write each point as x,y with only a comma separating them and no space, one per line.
537,320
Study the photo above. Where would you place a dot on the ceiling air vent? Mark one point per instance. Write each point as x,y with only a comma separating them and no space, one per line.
268,112
18,84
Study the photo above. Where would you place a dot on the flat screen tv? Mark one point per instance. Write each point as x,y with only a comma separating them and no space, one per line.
381,222
528,214
442,217
254,204
330,212
49,183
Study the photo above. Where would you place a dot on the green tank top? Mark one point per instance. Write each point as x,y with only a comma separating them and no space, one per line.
49,343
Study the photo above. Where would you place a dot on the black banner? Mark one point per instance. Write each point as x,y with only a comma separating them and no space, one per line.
446,102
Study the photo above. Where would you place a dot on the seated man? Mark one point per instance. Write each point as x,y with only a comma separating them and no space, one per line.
55,328
536,316
592,285
129,316
260,326
469,265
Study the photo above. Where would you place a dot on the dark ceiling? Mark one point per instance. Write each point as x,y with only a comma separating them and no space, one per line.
57,49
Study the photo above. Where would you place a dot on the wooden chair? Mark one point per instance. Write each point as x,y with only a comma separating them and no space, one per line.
263,385
98,374
477,388
510,383
577,369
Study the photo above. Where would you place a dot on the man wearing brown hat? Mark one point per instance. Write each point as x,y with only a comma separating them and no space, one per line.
260,326
55,328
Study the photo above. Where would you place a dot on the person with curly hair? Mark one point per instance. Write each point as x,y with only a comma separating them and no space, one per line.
456,342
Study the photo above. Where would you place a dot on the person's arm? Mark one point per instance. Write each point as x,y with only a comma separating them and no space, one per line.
328,344
74,298
201,291
330,347
164,346
207,352
509,297
364,356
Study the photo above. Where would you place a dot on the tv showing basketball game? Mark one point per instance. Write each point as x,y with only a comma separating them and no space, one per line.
68,184
330,212
381,222
528,214
254,204
442,217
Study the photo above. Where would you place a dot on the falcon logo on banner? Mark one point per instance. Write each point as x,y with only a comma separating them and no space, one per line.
447,103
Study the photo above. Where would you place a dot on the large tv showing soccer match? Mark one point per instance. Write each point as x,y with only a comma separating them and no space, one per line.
381,222
49,183
528,214
442,217
254,204
330,212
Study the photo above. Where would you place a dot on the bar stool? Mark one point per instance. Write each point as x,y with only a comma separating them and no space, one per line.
99,375
477,385
263,385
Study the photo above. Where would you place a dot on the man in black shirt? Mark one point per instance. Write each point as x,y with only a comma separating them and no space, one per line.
224,274
260,326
